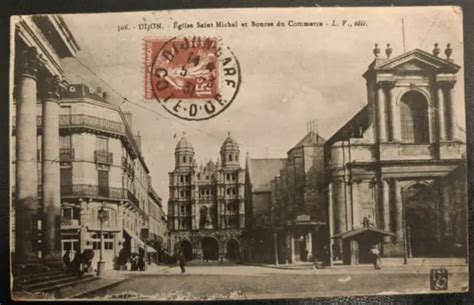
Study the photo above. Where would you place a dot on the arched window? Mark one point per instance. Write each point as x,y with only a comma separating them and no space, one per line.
414,118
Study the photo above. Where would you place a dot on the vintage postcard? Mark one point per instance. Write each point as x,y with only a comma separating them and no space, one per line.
254,153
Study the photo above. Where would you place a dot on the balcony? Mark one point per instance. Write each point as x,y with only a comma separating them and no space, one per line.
104,157
88,121
66,154
87,190
92,123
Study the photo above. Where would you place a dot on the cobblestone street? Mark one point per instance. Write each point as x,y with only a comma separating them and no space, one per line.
247,282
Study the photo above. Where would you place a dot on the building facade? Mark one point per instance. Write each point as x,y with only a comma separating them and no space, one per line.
286,205
398,160
382,165
155,233
101,169
206,210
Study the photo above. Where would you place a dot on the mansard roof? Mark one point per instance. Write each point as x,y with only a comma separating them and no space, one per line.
416,59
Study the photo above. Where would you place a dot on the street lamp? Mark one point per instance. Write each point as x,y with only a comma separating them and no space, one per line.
103,216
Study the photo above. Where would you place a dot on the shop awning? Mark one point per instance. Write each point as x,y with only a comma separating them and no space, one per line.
150,249
357,233
135,237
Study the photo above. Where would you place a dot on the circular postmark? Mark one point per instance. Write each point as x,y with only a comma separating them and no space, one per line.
195,78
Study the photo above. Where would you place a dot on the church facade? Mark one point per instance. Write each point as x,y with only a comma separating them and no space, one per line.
383,163
393,177
206,212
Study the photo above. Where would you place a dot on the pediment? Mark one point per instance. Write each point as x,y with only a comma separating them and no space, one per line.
414,65
417,60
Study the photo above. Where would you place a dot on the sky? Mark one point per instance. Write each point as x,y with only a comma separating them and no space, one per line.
290,75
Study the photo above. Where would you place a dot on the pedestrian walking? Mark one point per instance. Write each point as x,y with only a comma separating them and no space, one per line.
141,262
181,261
376,256
67,260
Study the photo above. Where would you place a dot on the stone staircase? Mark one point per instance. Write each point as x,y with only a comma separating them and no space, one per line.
47,279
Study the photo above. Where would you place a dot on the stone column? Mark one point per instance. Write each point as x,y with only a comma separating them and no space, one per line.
395,128
309,246
399,221
50,175
339,204
386,208
381,111
441,113
452,111
292,243
26,180
275,240
330,222
339,207
356,219
288,247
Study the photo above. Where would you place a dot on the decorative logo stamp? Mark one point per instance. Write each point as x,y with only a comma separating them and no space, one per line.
439,279
194,78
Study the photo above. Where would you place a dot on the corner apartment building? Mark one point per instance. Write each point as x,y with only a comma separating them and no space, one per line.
101,166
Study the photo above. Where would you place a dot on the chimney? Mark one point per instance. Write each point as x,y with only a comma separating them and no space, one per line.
128,118
138,139
104,95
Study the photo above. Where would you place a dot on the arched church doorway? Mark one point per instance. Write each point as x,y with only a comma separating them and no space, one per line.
210,249
421,225
233,250
414,118
187,249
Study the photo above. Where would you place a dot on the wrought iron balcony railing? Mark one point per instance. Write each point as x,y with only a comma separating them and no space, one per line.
66,154
86,190
102,156
84,121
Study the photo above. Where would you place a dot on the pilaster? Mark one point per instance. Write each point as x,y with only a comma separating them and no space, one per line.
441,113
381,112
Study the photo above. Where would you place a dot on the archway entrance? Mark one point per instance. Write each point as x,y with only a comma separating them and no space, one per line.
187,249
414,118
233,250
210,249
421,225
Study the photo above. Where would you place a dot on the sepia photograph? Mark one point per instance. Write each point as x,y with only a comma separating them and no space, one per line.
238,154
